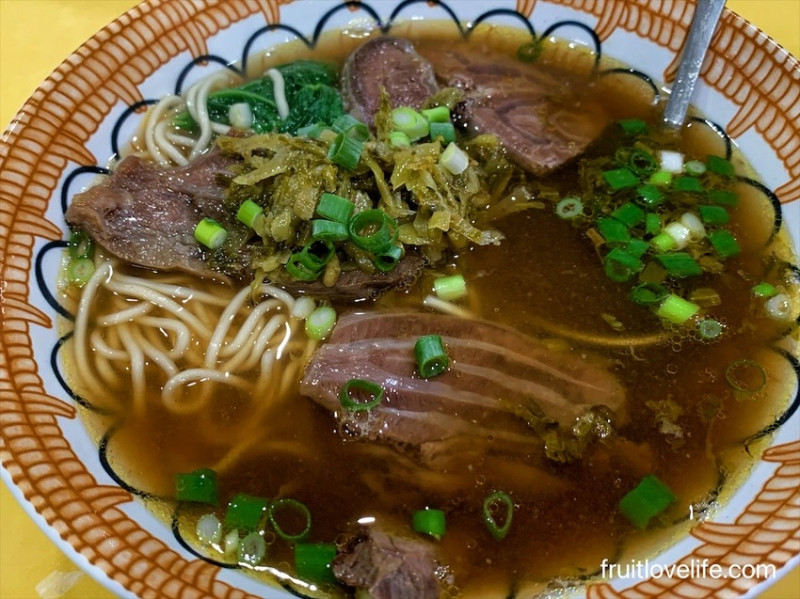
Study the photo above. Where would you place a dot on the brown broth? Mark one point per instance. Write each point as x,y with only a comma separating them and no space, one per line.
566,519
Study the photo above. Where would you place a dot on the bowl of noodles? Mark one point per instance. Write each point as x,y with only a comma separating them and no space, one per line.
407,299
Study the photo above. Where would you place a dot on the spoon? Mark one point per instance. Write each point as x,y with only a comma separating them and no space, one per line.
704,22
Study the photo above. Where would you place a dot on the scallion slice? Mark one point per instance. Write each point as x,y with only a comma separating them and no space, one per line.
358,395
569,208
709,328
429,522
210,233
723,197
652,224
498,505
316,254
335,208
248,212
410,122
450,288
373,230
351,126
645,501
432,359
629,214
689,184
346,151
300,271
311,131
453,159
320,323
198,486
649,294
444,132
724,243
437,114
312,561
633,126
398,139
328,230
642,162
290,509
620,178
719,165
80,245
208,529
694,168
680,264
746,376
649,195
79,271
252,549
714,215
660,178
765,290
245,511
676,309
387,261
613,231
621,266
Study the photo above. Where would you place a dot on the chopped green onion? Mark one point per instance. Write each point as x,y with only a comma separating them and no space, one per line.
454,160
437,114
709,328
637,247
493,503
620,178
680,264
569,208
641,162
299,270
692,222
410,122
79,271
633,126
210,233
694,168
312,561
764,289
351,395
315,255
680,233
661,178
320,323
450,288
398,139
328,230
373,230
676,309
351,126
652,224
671,161
687,184
387,261
649,195
429,522
346,151
295,510
431,356
723,197
746,376
645,501
649,294
664,242
208,529
719,165
80,245
714,215
620,266
724,243
779,307
629,214
612,230
245,511
248,212
335,208
444,132
252,549
198,486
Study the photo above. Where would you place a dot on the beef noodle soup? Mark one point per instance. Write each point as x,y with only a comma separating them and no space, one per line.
554,321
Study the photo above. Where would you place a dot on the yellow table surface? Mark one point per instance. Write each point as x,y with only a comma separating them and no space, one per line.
35,36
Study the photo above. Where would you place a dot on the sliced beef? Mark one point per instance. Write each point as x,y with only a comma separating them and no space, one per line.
389,63
357,285
146,214
498,383
539,119
387,566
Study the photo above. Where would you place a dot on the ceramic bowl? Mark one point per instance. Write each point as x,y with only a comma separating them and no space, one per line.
79,117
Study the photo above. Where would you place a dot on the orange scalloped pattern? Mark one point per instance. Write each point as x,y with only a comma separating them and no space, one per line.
52,130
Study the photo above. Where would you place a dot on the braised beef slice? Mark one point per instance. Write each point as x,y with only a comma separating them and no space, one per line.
498,381
389,63
537,116
388,567
145,214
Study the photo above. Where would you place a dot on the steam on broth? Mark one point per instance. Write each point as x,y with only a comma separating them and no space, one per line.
192,373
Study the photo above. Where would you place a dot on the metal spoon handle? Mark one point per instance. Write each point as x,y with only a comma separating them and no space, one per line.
704,22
